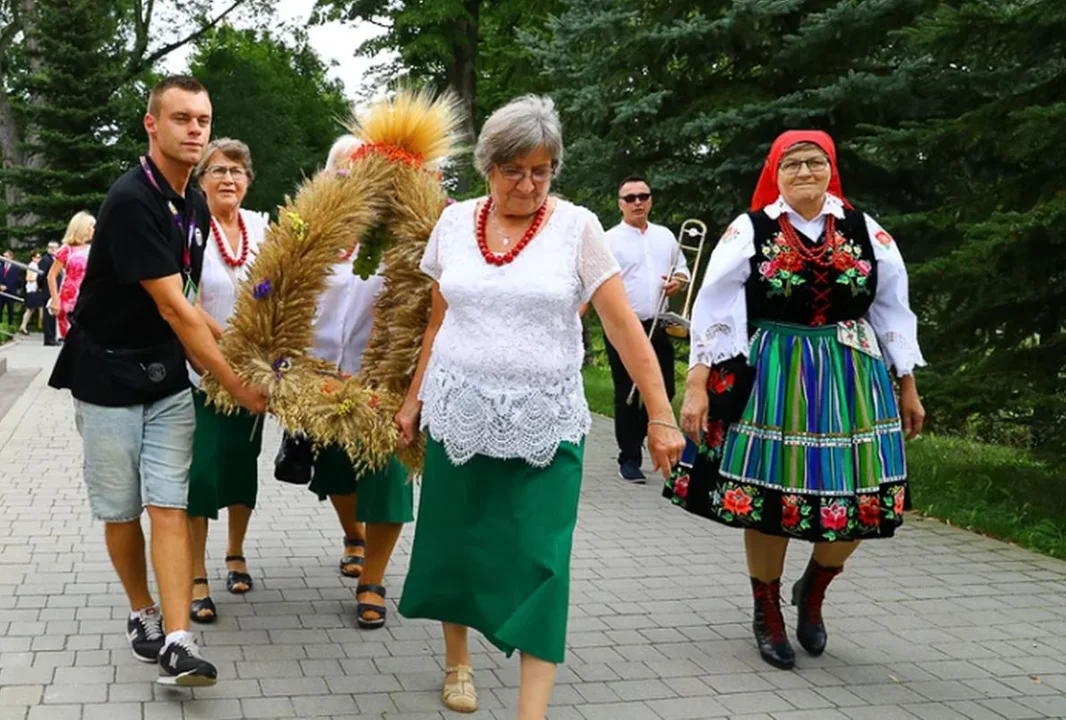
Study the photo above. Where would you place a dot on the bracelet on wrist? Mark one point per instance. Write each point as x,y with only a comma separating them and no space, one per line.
664,423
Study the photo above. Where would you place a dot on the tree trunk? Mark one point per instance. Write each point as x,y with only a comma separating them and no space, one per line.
10,142
12,153
462,71
9,133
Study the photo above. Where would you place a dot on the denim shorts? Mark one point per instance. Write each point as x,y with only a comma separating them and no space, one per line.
136,456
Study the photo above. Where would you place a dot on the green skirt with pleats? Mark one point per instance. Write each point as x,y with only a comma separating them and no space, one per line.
492,548
382,496
225,459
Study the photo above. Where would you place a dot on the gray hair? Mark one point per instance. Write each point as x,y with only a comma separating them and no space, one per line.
341,147
234,150
520,127
804,145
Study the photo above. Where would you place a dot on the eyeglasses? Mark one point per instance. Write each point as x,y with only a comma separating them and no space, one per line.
516,175
218,172
633,197
815,165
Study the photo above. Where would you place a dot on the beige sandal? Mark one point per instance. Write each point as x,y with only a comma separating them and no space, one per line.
459,695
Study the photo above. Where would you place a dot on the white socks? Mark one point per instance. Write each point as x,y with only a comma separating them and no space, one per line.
143,612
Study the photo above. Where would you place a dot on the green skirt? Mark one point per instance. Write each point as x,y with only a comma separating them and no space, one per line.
225,459
382,496
492,548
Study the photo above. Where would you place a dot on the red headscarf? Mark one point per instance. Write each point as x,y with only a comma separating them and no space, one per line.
766,192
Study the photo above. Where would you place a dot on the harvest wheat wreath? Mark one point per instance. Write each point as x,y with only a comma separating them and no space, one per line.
387,194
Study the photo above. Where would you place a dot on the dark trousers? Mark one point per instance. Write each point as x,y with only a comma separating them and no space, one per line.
13,308
49,328
631,421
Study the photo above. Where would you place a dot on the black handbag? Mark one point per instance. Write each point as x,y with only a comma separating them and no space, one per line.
294,460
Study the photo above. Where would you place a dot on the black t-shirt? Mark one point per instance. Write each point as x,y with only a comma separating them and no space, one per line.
136,239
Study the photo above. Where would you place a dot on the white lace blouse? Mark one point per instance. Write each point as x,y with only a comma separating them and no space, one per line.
504,374
720,316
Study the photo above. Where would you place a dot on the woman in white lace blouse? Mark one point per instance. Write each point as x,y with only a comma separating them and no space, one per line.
499,387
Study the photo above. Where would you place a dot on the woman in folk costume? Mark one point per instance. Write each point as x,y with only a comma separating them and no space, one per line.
225,458
803,307
371,507
498,387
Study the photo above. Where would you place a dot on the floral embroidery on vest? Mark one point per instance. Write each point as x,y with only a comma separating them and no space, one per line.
846,258
782,266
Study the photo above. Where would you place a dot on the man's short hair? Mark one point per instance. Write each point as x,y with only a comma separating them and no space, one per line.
634,178
181,82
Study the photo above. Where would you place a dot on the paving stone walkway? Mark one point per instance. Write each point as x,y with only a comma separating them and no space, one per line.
939,623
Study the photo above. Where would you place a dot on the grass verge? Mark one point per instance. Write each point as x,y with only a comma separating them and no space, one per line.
991,489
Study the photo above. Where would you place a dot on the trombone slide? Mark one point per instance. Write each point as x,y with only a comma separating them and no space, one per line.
677,325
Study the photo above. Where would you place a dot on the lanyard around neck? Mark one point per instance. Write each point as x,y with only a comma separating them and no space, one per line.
185,225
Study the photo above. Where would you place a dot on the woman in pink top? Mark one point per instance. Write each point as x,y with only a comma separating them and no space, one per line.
70,260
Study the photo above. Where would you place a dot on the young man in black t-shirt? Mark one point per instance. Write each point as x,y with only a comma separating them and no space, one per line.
135,324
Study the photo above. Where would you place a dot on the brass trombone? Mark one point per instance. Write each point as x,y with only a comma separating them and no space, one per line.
674,324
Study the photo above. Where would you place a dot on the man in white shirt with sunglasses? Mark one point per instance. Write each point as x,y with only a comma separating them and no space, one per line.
645,251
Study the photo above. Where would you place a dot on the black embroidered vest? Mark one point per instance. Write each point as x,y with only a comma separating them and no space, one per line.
785,287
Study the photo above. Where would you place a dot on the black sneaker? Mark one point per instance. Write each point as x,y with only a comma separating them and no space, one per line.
630,472
180,665
144,631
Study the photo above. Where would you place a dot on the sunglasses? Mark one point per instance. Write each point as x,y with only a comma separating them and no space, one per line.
633,197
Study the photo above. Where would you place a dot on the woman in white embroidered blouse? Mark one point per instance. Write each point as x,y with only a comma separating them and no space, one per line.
498,386
799,429
225,447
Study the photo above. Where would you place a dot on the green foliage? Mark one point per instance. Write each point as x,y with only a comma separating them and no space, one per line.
370,251
990,214
8,332
468,46
68,97
999,491
692,95
274,95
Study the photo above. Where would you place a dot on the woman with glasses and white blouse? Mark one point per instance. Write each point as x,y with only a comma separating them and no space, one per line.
224,471
498,388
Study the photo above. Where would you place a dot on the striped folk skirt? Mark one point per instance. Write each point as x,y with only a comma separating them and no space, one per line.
803,440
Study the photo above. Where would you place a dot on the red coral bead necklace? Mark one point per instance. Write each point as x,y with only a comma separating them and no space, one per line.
223,247
503,259
817,254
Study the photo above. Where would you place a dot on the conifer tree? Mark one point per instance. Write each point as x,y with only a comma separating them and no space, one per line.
692,94
69,99
989,216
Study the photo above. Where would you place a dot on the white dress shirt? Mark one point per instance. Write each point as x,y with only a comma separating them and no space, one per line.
345,316
645,257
